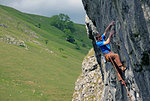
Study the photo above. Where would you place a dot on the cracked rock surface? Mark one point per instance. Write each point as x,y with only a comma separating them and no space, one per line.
130,41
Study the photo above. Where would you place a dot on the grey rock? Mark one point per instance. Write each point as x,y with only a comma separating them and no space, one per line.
11,40
3,25
130,41
89,85
31,33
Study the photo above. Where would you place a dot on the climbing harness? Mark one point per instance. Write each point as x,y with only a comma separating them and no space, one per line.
120,78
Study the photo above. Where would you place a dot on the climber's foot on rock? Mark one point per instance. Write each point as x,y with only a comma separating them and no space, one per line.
123,82
123,68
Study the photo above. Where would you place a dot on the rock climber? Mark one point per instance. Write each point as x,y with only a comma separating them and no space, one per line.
109,56
105,48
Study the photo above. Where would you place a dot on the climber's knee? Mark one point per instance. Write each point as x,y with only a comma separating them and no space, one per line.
116,55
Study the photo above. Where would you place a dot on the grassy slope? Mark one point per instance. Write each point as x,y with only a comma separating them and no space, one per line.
36,74
79,34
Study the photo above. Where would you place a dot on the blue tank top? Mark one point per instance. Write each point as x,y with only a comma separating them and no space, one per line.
104,48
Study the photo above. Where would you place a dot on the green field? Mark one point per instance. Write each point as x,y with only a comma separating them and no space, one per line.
36,70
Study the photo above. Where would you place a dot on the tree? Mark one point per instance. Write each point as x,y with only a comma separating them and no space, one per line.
46,41
69,36
64,17
62,21
69,25
67,31
77,46
83,45
57,22
39,25
70,39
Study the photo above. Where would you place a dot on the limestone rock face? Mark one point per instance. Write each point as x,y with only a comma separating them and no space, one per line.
130,41
89,85
146,10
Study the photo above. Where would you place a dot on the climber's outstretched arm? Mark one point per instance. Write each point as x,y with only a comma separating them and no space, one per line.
109,38
108,28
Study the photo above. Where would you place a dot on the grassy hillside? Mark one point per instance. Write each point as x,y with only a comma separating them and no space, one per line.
37,64
35,20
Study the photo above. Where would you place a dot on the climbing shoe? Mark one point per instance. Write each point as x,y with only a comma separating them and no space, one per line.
123,68
124,83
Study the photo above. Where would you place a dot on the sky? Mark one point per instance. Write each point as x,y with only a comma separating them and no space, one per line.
73,8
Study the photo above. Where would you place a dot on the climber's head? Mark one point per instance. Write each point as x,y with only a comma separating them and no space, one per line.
98,37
